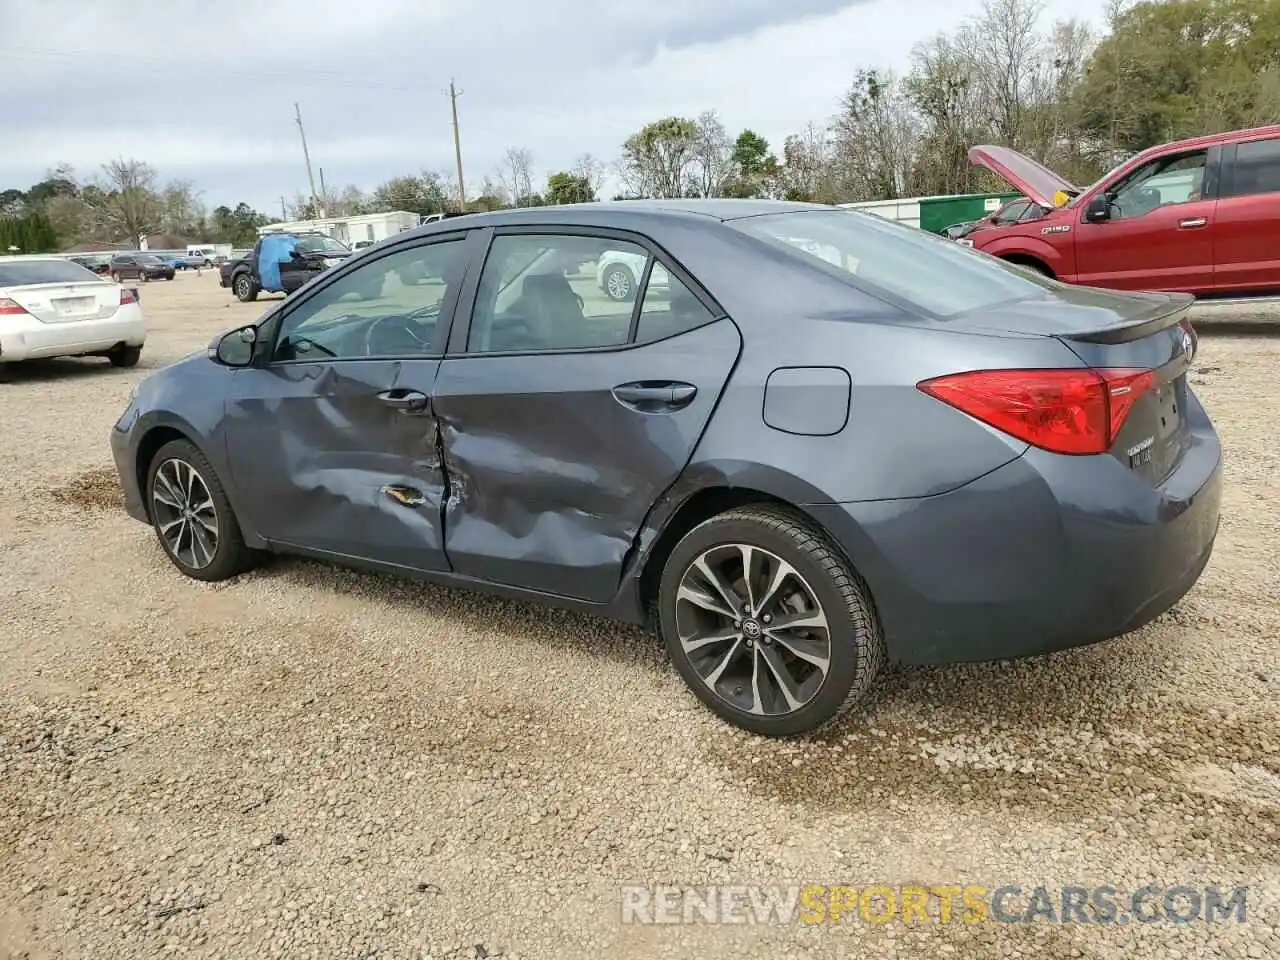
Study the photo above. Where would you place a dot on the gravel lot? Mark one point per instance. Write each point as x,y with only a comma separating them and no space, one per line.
317,763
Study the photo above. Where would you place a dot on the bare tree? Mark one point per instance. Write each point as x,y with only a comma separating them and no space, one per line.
712,156
1006,47
876,138
516,175
125,205
591,171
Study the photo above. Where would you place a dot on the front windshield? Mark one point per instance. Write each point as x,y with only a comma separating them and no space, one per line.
147,259
925,270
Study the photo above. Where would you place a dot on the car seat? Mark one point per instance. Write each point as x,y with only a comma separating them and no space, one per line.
552,309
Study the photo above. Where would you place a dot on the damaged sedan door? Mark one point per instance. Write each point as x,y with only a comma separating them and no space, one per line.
566,412
337,458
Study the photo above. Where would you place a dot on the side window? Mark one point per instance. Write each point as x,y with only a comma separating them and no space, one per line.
1168,180
669,308
556,292
1257,168
389,307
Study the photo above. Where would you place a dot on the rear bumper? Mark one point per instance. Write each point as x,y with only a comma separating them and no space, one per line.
1045,553
26,338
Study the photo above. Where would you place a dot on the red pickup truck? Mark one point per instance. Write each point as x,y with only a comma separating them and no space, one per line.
1200,216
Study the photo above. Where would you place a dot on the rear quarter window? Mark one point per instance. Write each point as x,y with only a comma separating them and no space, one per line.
23,272
935,275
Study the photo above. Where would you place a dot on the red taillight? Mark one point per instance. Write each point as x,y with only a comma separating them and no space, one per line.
10,307
128,295
1064,411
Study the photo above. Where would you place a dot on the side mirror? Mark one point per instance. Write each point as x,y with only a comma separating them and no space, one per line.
235,349
1099,209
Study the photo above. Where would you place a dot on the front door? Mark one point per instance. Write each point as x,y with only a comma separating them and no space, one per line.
565,414
332,455
1160,233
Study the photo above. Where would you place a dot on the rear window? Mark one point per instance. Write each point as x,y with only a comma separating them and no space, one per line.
929,272
20,272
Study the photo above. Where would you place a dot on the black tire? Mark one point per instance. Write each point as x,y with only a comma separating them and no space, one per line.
856,643
244,288
125,356
624,289
115,277
6,372
229,557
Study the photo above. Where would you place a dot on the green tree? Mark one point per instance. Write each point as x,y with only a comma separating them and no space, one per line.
31,233
656,160
565,187
422,194
1172,70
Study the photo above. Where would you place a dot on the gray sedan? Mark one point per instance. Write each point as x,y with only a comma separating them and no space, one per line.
811,443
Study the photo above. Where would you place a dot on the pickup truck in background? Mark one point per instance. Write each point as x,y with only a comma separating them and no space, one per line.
1198,216
313,254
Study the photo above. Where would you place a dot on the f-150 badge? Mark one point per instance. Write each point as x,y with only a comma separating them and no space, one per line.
1057,228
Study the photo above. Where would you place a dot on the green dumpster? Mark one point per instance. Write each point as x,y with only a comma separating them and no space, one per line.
938,213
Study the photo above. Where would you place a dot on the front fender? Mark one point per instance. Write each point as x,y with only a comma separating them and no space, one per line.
1037,248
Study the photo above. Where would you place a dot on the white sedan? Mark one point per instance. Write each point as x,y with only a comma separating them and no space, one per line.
51,307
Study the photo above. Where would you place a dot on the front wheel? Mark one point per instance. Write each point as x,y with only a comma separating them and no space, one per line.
192,516
767,623
245,289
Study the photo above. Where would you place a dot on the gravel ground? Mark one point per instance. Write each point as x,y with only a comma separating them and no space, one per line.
317,763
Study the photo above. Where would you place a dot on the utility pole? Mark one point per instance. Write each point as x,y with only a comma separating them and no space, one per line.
284,214
306,155
324,191
454,94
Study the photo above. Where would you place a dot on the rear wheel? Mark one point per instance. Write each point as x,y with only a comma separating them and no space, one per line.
244,287
767,623
619,283
6,372
191,514
115,277
125,356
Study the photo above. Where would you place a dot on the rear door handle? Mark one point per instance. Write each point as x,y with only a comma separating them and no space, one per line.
1193,223
655,394
410,400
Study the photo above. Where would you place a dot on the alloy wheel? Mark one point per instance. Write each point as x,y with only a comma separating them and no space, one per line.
619,284
185,515
753,629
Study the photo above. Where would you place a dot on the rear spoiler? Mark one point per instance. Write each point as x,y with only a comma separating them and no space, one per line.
1163,316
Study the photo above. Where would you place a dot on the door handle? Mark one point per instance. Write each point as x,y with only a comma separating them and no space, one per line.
653,394
409,400
1192,223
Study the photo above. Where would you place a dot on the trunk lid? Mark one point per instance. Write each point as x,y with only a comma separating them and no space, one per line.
66,302
1147,332
1031,177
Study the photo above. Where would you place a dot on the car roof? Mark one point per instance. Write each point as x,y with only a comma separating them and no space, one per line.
619,213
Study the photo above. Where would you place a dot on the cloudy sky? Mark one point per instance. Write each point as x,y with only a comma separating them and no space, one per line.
205,90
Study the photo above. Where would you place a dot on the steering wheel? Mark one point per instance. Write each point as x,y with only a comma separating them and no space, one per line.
407,333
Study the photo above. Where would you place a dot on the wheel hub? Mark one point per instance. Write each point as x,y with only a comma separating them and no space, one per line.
753,629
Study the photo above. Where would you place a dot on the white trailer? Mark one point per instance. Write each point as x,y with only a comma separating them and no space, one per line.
360,230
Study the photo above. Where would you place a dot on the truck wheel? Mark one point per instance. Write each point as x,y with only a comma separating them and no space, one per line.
245,289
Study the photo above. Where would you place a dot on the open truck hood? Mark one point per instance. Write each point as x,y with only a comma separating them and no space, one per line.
1028,176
